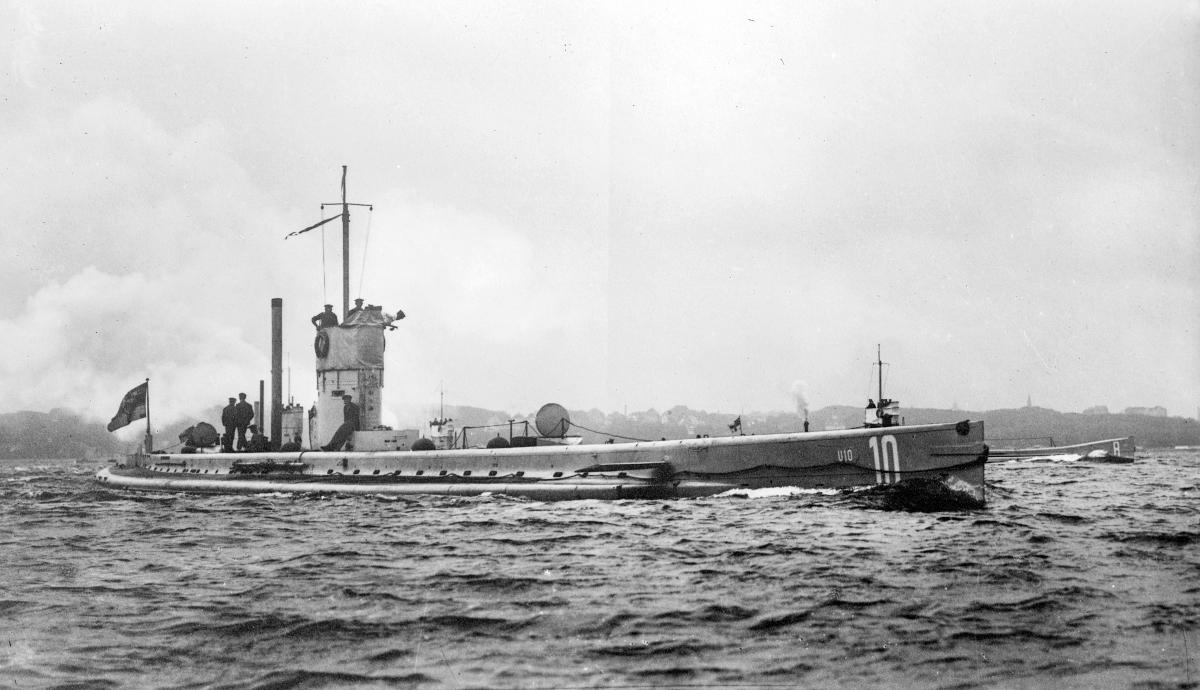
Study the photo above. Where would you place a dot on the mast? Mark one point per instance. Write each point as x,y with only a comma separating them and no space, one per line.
441,420
345,250
345,216
879,357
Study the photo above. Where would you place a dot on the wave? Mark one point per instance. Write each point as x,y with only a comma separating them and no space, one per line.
1155,538
914,495
1017,635
528,541
711,613
654,648
782,620
668,673
465,623
302,678
800,587
488,583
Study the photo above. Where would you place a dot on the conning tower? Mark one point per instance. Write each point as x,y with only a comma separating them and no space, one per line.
349,362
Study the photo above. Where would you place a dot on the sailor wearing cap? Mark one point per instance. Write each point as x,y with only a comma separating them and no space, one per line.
358,306
350,424
326,318
258,442
243,414
229,421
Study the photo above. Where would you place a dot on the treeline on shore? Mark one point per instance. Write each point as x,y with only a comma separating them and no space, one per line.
64,434
1023,427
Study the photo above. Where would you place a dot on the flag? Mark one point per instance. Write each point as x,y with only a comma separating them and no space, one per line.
133,406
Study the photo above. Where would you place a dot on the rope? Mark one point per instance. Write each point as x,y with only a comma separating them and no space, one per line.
324,269
362,271
871,392
605,433
578,426
489,426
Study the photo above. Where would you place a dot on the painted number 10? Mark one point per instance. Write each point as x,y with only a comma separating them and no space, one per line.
887,459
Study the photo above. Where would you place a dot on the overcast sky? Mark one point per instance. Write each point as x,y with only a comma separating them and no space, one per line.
610,205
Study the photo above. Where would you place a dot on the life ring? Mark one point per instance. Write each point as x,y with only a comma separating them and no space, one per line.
321,344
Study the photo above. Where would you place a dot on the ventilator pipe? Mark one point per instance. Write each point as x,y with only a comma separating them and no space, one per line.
276,372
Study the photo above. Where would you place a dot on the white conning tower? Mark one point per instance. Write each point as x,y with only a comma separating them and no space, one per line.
292,426
350,362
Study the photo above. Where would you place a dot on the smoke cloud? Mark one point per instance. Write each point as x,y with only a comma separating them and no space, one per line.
800,397
82,343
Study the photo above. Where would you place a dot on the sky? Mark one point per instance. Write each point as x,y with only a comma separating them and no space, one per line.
609,205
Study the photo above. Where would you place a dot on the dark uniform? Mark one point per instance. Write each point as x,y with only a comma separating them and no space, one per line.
258,442
326,318
350,424
243,415
229,421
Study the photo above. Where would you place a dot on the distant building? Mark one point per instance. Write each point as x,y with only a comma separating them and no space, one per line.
649,416
690,423
1147,411
1098,409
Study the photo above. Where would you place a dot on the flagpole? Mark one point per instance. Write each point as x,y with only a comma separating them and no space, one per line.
149,438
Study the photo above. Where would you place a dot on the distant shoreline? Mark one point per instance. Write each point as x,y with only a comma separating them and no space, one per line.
59,434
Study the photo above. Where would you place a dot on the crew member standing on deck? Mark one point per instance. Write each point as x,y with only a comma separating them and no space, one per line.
348,427
358,306
258,442
244,414
326,318
229,421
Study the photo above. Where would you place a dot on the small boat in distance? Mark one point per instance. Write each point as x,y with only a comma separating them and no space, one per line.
376,459
1114,450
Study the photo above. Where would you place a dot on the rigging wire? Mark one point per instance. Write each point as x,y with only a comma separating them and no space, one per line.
605,433
362,271
573,424
871,380
324,270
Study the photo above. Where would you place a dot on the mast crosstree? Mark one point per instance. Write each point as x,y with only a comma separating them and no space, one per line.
345,218
345,215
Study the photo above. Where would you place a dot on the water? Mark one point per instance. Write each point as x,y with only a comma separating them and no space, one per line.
1075,575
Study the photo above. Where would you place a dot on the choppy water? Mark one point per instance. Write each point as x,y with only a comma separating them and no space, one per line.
1075,575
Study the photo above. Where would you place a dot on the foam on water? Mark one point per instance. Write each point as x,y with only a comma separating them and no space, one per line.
1061,457
776,492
